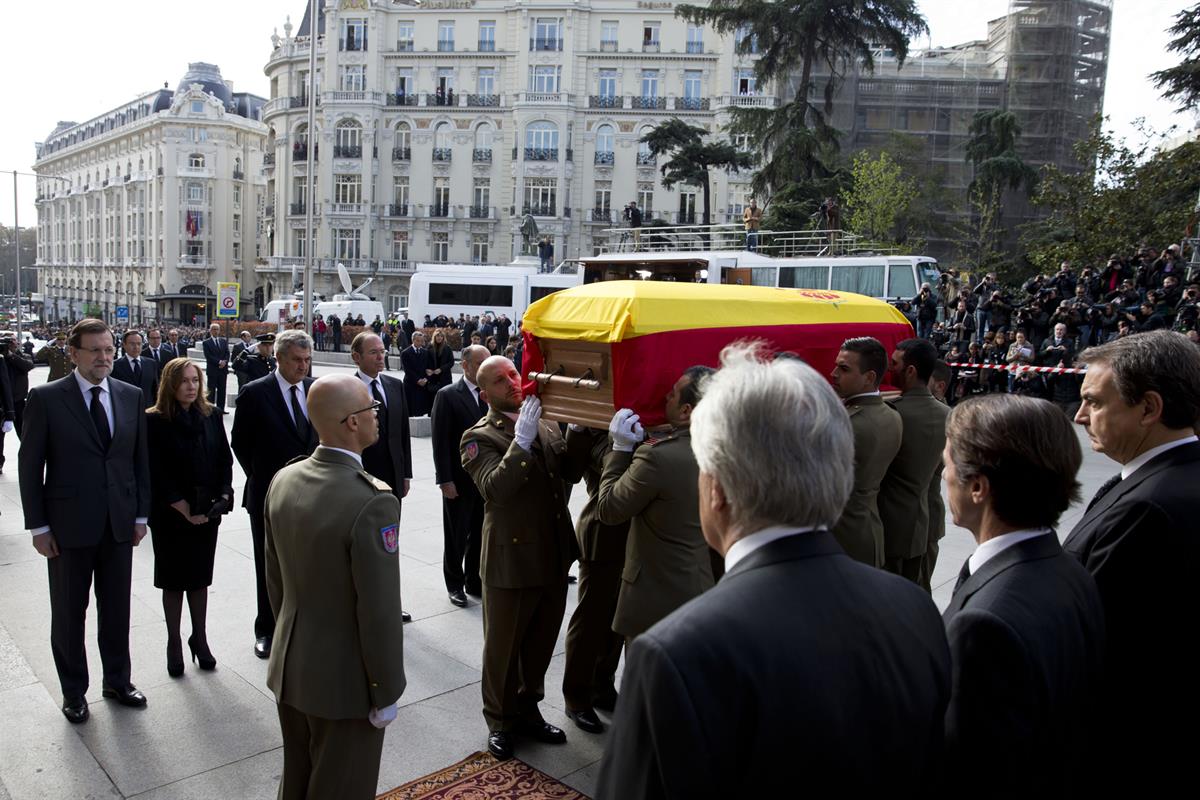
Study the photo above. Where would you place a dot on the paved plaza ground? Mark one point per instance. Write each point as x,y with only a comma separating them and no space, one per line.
216,735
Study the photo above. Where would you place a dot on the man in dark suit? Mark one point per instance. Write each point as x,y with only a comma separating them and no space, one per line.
390,457
8,411
773,681
414,360
136,370
19,365
270,428
1057,348
1138,539
154,350
456,408
173,347
85,490
216,360
1025,624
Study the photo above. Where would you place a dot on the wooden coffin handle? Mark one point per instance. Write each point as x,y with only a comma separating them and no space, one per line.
556,379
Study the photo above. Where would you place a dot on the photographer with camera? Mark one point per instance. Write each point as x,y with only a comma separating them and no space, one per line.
927,310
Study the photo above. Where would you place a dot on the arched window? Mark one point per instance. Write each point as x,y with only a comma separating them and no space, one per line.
237,164
403,135
483,137
604,139
301,137
644,155
441,135
542,136
348,143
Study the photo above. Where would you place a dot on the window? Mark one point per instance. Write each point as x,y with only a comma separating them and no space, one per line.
741,141
541,197
300,192
354,34
603,205
487,37
445,81
237,226
441,135
485,80
547,34
479,248
400,190
441,197
645,199
441,250
650,84
195,193
472,294
483,137
403,136
608,35
542,135
901,282
197,106
695,39
744,81
650,40
354,77
481,198
745,41
400,246
604,144
347,189
445,36
687,208
544,78
348,143
347,243
866,280
237,196
404,81
608,83
404,35
195,161
691,84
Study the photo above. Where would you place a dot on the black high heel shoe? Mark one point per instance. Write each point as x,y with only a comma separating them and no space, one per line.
174,659
207,662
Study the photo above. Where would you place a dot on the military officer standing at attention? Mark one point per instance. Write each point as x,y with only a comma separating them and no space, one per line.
333,574
55,354
904,493
250,365
877,428
667,561
519,464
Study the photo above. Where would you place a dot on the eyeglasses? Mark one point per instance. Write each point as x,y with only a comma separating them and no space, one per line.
373,407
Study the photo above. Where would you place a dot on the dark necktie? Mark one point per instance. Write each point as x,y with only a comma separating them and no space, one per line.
1104,489
963,574
99,418
382,416
483,407
298,415
137,371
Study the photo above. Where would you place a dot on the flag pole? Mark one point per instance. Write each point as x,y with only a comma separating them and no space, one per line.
311,194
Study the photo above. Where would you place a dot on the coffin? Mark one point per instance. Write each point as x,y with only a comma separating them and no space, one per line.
593,349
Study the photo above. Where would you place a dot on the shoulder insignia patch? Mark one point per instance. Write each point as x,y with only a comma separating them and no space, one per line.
391,538
471,450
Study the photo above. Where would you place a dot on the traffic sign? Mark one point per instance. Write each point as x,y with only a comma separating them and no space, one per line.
227,300
122,313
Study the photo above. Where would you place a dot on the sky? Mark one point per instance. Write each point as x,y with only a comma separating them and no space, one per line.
109,53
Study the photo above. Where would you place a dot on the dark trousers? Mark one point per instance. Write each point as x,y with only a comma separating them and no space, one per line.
264,623
928,564
905,567
216,388
335,758
593,649
520,627
111,562
462,534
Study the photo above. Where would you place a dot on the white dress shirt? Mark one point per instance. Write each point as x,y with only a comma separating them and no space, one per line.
748,544
998,544
1139,462
285,389
368,381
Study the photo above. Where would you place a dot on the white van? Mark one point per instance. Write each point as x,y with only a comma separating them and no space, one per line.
291,308
473,289
343,306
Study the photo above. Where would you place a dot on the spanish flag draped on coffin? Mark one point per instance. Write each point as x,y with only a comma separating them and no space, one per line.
623,344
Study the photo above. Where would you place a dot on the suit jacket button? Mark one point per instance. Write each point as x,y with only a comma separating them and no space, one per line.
514,540
522,463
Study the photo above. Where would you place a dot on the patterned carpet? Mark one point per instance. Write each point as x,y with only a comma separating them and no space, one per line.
480,776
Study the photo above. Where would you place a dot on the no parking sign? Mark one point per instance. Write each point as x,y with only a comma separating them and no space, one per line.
227,300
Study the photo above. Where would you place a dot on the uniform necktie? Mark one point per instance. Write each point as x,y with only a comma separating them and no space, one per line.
963,574
1104,489
99,418
298,415
382,416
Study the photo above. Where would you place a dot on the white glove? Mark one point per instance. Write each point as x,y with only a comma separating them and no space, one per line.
8,426
382,717
626,430
527,422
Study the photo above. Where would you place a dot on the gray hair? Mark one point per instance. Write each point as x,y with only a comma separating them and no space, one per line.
289,339
776,438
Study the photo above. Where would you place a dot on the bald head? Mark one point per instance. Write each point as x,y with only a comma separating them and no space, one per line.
499,384
339,408
472,356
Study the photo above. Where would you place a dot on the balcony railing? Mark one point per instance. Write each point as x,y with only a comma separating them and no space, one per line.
445,45
482,212
604,157
483,100
238,175
691,103
348,208
401,154
539,211
396,265
487,45
748,100
126,178
481,155
395,210
649,102
695,47
441,154
447,98
347,151
402,99
295,209
600,215
300,152
608,45
404,46
646,159
538,43
353,44
543,97
651,47
605,101
354,96
541,154
268,159
195,262
439,211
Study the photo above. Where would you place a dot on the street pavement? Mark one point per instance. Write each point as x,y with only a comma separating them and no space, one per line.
216,735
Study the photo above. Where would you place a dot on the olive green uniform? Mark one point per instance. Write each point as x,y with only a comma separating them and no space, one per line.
877,432
593,648
667,561
333,576
528,545
57,358
904,493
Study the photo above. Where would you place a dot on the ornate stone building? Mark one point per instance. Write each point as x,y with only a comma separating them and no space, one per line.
149,205
440,125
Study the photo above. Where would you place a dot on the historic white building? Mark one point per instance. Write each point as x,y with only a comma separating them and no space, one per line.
440,125
151,204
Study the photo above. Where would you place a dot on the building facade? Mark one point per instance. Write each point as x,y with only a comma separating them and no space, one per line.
440,126
148,206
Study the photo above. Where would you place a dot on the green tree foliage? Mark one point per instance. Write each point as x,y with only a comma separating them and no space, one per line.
1182,82
691,158
8,259
992,151
1138,195
879,199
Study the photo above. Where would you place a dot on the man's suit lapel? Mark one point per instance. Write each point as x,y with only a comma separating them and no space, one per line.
1183,453
279,408
1038,547
73,400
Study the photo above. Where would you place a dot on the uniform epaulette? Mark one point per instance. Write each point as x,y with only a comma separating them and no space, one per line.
380,486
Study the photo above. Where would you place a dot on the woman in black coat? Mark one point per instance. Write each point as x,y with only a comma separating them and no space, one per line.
191,486
442,356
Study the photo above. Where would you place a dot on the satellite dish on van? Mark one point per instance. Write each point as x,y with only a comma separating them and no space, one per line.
344,278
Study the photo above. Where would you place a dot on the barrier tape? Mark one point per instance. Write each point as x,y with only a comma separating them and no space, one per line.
1021,368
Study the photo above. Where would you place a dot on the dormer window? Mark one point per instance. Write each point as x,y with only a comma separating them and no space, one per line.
197,106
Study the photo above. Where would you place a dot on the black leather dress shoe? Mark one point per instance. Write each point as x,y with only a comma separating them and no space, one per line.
75,709
474,591
606,701
586,721
126,696
543,732
405,616
262,647
572,579
500,745
458,598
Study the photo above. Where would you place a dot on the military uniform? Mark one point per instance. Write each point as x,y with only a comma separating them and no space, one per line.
333,576
667,561
877,432
593,648
528,544
904,493
57,358
937,527
249,366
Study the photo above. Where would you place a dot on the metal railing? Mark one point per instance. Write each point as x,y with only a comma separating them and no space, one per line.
437,211
268,159
645,159
482,212
395,210
404,46
347,151
481,154
651,47
649,102
691,103
296,209
539,43
605,101
695,47
541,154
600,215
483,100
604,157
401,153
487,45
608,45
401,99
441,154
539,211
783,244
445,45
300,152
